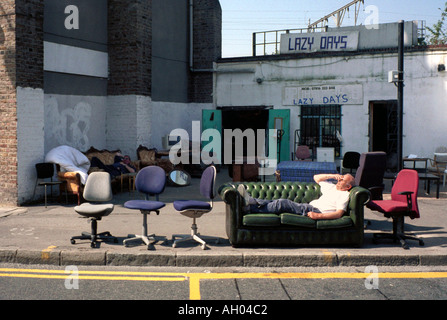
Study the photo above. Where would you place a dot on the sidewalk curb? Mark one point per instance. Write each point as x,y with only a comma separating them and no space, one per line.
209,259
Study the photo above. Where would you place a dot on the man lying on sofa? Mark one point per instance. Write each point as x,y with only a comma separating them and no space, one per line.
331,205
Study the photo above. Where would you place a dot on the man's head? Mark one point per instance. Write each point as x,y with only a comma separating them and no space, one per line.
345,183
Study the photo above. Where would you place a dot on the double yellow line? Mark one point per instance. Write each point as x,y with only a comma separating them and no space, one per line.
195,278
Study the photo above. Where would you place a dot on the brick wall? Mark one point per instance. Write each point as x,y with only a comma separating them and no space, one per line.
8,117
21,65
207,48
130,37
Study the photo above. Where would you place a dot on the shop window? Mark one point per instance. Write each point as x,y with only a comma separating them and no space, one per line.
320,127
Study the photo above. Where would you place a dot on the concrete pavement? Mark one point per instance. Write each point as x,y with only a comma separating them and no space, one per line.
38,235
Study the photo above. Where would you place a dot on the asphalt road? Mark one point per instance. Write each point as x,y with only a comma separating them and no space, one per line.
253,286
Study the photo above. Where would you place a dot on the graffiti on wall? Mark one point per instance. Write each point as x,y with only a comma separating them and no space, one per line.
68,126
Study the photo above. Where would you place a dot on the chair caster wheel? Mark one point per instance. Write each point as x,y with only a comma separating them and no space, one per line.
72,241
204,247
174,245
93,244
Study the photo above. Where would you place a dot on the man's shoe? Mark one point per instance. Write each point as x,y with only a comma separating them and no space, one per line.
244,194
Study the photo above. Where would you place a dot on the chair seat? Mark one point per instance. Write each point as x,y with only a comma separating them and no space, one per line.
144,205
181,205
388,206
94,210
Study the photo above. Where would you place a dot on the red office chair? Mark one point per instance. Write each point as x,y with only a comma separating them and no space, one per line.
403,203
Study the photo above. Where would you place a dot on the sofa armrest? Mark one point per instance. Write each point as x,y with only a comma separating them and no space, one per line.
233,200
73,180
358,198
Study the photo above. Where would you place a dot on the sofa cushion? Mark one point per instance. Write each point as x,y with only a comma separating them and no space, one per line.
261,220
343,222
105,156
297,220
147,156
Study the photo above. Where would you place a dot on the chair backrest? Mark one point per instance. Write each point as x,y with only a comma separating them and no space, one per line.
440,160
372,166
44,170
98,187
407,180
207,182
151,180
351,160
302,152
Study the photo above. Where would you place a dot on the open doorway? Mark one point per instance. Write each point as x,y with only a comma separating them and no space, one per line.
383,129
244,118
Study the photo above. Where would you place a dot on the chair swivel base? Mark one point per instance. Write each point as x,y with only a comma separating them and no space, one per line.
193,237
401,237
398,233
94,236
148,240
103,236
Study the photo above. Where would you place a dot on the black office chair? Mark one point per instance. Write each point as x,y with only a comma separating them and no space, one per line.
98,191
351,161
45,173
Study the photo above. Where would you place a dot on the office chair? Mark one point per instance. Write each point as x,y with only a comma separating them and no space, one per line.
369,174
44,172
403,203
97,191
195,209
150,181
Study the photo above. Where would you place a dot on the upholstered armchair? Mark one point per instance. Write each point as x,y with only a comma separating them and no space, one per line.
150,157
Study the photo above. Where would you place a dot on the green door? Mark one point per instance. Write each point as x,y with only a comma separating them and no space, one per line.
279,119
211,139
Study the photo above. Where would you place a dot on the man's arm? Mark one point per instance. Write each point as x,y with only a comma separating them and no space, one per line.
327,216
326,176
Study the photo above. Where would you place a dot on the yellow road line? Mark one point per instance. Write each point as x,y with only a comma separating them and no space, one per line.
194,278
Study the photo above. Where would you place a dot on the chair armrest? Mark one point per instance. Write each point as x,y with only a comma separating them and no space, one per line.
408,195
376,192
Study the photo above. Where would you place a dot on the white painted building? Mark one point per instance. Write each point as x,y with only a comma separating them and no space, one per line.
355,81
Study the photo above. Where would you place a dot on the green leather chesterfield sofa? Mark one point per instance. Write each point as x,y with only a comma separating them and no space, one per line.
255,229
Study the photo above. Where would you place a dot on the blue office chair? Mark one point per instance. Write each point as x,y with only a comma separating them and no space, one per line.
195,209
97,191
150,181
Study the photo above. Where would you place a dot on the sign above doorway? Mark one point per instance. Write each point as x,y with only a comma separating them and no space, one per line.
321,95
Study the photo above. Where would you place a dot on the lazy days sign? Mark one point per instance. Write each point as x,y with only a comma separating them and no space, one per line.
321,95
319,41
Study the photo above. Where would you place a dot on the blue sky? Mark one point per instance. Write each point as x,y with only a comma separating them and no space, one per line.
243,17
